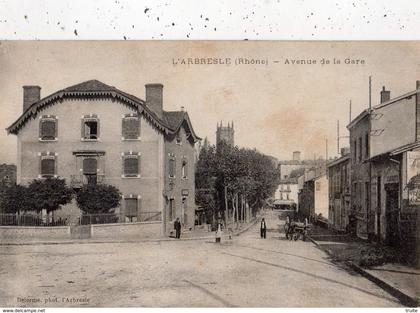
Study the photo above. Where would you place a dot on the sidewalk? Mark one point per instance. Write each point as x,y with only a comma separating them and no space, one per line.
200,234
373,262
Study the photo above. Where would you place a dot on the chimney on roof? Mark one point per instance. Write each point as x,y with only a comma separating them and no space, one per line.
417,84
31,94
296,155
385,95
154,98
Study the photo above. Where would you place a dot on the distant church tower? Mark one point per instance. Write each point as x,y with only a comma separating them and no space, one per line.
225,133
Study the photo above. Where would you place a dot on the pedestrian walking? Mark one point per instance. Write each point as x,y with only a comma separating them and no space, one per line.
177,226
263,229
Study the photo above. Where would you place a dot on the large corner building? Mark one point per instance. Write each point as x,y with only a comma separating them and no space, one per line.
95,133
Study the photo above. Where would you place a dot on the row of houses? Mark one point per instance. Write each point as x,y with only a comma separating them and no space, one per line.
373,188
303,187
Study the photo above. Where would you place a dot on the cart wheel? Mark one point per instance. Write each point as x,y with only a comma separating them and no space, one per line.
296,237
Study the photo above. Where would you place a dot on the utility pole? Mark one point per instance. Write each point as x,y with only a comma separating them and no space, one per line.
326,150
350,112
370,93
338,136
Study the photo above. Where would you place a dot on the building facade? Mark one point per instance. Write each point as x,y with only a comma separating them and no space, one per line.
360,134
313,195
395,159
7,174
95,133
338,172
286,194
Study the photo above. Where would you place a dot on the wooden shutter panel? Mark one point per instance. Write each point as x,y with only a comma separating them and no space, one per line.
82,129
130,127
172,167
131,207
185,169
90,166
131,166
48,166
48,129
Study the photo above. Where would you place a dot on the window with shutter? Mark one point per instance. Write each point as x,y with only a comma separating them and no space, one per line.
131,207
184,169
131,127
90,166
131,165
171,167
90,128
47,166
48,129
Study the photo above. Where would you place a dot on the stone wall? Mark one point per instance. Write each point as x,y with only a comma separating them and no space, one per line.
33,233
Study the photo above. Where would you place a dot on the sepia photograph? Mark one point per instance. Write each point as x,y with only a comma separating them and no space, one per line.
210,174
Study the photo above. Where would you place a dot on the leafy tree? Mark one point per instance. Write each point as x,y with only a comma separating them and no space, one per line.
14,199
49,194
205,193
237,175
98,198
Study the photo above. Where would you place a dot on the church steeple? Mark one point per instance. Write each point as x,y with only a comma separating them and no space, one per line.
225,133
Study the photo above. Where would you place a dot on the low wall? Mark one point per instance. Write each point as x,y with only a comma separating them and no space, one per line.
128,231
133,231
34,233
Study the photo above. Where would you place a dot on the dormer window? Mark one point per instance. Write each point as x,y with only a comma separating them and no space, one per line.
90,127
48,128
130,127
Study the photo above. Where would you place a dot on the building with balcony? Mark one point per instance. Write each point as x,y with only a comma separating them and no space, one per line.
93,133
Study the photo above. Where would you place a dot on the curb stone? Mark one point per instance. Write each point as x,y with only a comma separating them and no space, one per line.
404,298
87,241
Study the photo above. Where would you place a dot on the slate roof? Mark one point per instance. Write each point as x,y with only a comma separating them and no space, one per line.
169,123
91,85
174,118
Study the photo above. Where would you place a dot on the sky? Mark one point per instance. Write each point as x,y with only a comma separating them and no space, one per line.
276,107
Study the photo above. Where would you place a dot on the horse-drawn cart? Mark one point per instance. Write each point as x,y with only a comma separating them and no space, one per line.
296,230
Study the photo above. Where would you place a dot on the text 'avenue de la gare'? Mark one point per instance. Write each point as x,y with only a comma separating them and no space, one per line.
265,61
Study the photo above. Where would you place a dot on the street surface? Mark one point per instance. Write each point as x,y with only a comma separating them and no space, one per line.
244,272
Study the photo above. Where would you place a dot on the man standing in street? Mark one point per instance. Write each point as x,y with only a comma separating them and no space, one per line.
263,229
177,226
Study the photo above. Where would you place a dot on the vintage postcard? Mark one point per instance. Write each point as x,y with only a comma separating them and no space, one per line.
209,174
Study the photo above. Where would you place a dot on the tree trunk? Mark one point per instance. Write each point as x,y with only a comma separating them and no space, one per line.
226,208
242,208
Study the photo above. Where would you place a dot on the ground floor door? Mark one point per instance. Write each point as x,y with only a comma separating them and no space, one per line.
392,211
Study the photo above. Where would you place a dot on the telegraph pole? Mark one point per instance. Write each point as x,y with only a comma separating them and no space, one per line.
326,150
338,136
370,93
